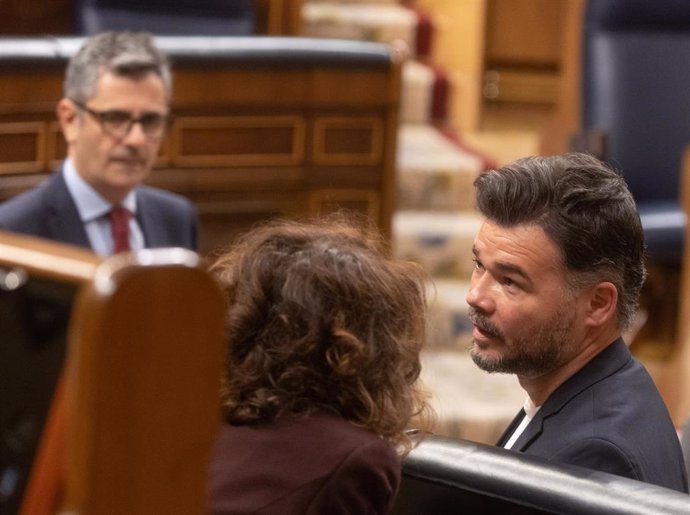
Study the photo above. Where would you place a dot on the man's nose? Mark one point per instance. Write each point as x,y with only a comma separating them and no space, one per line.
480,296
136,135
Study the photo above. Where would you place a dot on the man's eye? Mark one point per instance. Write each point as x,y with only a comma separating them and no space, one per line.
116,117
152,120
477,264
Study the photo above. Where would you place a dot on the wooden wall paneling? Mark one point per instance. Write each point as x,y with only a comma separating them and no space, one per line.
238,141
388,174
523,42
326,201
24,17
278,17
353,88
224,219
247,88
347,141
23,147
565,121
30,89
509,39
56,147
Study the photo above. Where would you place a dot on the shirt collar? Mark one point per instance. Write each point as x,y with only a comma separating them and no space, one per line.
90,204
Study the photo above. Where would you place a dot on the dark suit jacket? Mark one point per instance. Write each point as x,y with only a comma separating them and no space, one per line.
609,417
48,211
317,465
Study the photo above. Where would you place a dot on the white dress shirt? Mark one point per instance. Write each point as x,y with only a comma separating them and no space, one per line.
94,210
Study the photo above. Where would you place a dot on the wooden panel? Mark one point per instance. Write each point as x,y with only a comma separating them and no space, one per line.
194,88
278,17
347,141
56,146
226,218
29,91
511,36
359,88
215,183
238,141
35,17
565,121
22,147
327,201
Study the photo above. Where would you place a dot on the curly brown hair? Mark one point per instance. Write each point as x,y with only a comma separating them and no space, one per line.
320,319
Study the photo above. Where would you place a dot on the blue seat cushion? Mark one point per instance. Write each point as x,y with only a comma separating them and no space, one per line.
664,224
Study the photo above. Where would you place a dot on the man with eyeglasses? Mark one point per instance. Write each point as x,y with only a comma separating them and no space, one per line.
113,116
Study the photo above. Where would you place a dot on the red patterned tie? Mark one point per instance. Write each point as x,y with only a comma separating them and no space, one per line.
119,224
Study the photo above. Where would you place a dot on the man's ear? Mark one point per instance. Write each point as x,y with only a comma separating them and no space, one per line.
67,113
603,301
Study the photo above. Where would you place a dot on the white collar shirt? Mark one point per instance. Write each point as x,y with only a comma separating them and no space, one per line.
94,209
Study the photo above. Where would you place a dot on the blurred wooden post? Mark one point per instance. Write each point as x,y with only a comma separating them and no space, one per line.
677,383
137,408
143,382
278,17
555,137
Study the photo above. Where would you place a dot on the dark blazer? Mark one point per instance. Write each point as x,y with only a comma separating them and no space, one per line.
48,211
316,465
610,417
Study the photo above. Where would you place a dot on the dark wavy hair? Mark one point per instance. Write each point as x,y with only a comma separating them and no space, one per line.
585,207
321,320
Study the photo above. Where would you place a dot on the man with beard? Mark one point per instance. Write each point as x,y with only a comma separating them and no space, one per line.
113,116
559,264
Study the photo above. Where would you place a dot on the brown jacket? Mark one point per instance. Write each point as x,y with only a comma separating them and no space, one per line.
316,465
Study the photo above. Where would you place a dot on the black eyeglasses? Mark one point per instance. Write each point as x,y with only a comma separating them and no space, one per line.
119,123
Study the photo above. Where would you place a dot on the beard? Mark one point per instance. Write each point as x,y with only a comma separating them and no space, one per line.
528,356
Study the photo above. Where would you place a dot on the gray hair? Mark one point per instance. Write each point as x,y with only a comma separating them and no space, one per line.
123,53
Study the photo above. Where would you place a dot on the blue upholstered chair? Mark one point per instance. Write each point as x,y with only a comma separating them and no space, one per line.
636,94
166,17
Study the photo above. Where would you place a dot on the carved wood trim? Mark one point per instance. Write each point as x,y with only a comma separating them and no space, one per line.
32,164
291,129
327,127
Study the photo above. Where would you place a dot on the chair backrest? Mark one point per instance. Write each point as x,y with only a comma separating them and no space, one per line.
132,346
171,17
446,476
635,76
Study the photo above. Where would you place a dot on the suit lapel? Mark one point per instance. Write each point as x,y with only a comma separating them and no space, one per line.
533,430
607,362
64,223
150,221
511,428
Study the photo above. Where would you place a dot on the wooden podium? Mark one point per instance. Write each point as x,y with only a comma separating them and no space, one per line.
136,407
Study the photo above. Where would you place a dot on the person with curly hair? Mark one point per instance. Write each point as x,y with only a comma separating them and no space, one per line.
324,332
